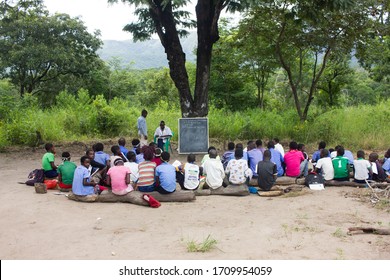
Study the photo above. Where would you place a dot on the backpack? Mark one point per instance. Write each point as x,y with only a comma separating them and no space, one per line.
314,179
35,176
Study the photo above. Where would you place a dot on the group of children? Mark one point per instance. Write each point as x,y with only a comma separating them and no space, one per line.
147,168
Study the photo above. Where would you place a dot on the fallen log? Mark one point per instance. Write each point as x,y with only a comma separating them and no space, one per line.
379,231
333,183
135,197
270,193
289,181
230,190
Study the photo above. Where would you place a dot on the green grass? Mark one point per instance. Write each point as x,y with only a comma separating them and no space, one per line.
205,246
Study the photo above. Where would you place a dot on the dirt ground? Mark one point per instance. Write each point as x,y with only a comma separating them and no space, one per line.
312,226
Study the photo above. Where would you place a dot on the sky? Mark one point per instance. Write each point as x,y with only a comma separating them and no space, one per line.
97,14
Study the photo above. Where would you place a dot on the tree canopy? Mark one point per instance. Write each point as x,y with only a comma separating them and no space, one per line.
36,48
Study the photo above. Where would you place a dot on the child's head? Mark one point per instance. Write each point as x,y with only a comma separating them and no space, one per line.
148,152
65,156
267,155
276,140
191,158
373,157
360,154
321,145
213,153
122,142
387,154
153,145
293,145
238,153
231,146
98,147
131,156
259,143
49,147
271,145
85,161
301,147
210,148
157,152
250,145
324,153
135,143
116,150
90,153
165,156
239,146
118,162
340,151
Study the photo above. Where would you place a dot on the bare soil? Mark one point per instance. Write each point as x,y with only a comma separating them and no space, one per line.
312,226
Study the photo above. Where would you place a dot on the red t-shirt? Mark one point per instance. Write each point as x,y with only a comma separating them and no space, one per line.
157,161
293,160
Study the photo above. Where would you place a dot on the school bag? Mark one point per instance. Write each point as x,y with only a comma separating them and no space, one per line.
314,181
35,176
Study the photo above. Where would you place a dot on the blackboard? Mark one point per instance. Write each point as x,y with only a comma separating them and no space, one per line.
193,135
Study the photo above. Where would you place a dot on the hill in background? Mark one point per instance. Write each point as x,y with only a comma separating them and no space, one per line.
147,54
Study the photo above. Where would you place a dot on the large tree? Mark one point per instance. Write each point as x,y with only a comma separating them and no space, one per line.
36,48
303,35
164,18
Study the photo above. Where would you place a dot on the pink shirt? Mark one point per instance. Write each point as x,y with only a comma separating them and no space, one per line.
293,160
118,179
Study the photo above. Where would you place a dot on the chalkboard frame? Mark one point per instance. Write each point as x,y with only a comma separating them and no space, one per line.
206,145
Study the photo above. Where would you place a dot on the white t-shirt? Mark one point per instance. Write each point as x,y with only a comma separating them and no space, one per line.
361,167
326,168
166,131
279,148
213,169
134,171
191,176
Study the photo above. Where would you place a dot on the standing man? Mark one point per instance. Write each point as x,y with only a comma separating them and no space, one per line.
142,128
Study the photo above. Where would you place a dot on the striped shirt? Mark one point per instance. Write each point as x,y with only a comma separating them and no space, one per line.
146,171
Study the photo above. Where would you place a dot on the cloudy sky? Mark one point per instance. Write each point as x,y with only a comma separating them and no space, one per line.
97,14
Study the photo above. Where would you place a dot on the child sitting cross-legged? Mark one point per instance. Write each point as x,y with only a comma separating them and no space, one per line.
165,175
66,172
118,177
362,168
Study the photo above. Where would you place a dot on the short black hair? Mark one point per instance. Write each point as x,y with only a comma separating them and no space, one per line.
211,148
48,146
122,141
321,145
191,158
135,142
293,145
259,143
165,156
271,145
360,154
83,159
98,147
65,155
267,154
238,153
213,153
131,155
115,149
88,151
324,153
231,146
276,140
239,146
300,146
144,112
340,150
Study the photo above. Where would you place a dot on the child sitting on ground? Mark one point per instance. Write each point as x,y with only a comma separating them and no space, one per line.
226,155
116,153
362,168
122,144
157,156
146,171
378,174
267,172
118,177
133,167
237,169
82,185
165,176
324,165
66,172
188,175
100,156
50,169
341,165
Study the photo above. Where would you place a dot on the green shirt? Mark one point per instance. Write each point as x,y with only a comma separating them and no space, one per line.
66,169
46,159
340,166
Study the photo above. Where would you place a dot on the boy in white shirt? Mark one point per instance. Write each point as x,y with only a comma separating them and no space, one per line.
324,165
362,168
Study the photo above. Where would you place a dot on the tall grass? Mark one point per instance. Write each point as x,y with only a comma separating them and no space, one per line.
80,117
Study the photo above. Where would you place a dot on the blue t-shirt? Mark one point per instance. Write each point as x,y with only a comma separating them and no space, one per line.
245,156
254,156
101,157
77,186
386,166
277,158
167,176
348,154
124,151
